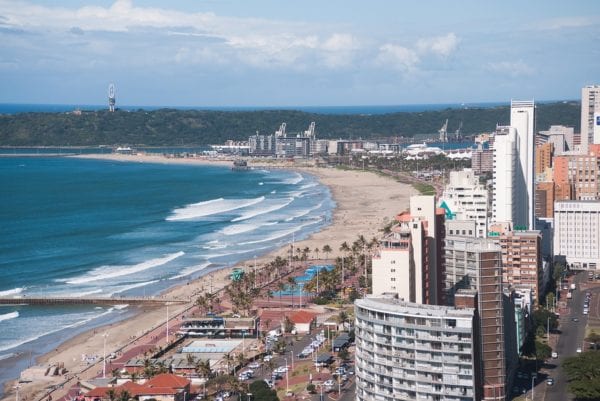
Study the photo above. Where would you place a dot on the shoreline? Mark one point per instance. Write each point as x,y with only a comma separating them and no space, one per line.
364,202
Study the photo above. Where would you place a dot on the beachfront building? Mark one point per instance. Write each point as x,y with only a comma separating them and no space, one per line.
409,261
590,110
475,264
217,326
261,145
407,351
577,233
561,138
464,198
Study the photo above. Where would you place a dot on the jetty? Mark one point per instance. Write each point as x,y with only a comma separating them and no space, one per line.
89,301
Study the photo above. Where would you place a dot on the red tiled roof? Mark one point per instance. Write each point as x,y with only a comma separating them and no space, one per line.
99,392
302,317
167,380
157,391
131,387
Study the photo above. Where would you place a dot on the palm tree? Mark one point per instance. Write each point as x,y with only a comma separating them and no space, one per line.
111,394
203,368
116,373
327,250
292,284
228,358
280,287
317,252
240,359
124,395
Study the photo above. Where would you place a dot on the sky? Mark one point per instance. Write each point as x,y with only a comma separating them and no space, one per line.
296,53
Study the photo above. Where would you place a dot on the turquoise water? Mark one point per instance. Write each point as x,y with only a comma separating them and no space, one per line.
76,227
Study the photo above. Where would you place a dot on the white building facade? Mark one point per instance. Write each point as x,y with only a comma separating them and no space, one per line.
590,106
577,233
406,351
506,197
467,199
522,118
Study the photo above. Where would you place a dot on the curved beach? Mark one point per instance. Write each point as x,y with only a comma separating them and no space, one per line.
365,202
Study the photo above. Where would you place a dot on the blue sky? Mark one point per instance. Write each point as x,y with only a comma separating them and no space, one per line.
290,53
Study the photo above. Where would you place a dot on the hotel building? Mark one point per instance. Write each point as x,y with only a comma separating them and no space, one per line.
509,194
577,233
406,351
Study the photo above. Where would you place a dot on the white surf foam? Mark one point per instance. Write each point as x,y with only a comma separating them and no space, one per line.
131,287
296,179
281,234
304,212
212,207
14,291
190,270
107,272
8,316
257,212
239,229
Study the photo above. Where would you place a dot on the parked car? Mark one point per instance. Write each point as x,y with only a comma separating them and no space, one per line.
579,350
329,383
550,381
554,355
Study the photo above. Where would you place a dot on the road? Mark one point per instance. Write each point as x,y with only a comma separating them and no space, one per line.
571,337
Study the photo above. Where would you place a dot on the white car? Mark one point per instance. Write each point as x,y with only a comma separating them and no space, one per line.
555,355
254,365
329,383
267,358
579,350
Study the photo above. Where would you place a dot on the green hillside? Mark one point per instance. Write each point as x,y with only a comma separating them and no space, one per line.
168,127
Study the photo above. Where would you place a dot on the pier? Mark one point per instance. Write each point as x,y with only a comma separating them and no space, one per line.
89,301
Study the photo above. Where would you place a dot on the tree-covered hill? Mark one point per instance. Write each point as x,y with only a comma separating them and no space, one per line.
168,127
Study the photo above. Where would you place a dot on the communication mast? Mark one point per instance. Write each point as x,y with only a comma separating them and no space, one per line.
111,97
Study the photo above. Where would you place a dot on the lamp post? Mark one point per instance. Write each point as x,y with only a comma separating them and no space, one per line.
292,352
532,388
17,387
287,383
104,356
167,323
548,330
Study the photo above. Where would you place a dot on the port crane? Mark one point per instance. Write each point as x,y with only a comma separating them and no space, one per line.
444,132
457,135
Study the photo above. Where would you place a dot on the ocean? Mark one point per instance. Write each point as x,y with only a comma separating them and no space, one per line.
83,227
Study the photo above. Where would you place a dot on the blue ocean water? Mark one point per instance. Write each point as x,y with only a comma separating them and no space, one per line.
76,227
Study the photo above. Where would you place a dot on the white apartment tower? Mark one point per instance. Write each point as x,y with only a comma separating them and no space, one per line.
522,118
507,202
590,110
464,198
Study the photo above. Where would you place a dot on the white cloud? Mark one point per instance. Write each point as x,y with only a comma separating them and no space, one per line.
397,57
511,68
442,45
566,22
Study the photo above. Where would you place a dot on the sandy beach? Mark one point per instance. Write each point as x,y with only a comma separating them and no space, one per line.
365,203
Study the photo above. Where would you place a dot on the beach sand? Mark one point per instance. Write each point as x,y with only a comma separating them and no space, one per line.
365,203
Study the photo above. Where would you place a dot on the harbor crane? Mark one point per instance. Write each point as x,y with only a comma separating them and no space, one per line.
457,135
444,132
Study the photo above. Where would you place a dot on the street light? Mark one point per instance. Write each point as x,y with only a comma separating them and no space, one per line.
104,358
292,352
17,387
287,383
532,388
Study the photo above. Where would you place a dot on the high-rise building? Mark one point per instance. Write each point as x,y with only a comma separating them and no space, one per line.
464,198
590,108
577,233
410,258
522,118
482,160
407,351
476,264
561,137
508,199
543,161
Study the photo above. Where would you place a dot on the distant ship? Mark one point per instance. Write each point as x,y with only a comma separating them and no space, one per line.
240,165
